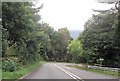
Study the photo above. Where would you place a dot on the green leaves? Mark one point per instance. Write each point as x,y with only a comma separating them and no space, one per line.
75,49
19,36
98,36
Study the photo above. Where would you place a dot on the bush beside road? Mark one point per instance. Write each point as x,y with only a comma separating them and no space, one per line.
20,73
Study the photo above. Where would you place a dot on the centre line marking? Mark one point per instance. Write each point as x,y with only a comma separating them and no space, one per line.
69,73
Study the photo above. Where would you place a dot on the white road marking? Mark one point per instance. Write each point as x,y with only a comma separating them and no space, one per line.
69,73
74,75
65,72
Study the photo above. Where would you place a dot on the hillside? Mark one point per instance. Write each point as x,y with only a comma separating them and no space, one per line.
75,33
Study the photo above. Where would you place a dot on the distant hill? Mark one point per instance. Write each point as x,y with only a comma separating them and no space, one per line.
75,33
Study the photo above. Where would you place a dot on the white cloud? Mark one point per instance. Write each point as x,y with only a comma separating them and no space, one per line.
69,13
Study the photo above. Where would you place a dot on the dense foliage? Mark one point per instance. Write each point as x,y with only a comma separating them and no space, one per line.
28,40
25,39
75,49
99,40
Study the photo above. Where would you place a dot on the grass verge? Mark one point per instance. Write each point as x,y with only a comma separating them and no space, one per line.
100,71
21,72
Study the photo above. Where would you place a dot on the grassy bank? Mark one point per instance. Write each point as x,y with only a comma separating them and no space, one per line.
21,72
100,71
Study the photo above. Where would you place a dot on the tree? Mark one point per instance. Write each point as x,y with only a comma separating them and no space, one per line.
75,49
19,29
62,40
27,39
117,30
99,37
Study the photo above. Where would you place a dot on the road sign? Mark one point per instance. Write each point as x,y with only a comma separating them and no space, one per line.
107,1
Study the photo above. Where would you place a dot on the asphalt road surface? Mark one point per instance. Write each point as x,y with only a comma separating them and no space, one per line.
61,71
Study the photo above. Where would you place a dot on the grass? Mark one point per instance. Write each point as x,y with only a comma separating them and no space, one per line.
21,72
100,71
0,74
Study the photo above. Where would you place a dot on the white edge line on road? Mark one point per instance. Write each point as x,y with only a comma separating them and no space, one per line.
65,72
69,73
74,75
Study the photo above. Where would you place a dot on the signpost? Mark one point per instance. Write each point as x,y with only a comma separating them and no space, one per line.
101,59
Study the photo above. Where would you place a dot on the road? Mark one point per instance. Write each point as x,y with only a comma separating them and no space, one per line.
61,71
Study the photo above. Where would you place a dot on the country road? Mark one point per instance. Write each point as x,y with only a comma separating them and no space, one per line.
60,71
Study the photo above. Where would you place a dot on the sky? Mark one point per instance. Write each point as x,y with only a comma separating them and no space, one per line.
69,13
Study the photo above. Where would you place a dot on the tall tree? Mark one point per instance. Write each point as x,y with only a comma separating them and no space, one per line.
76,50
117,23
63,38
99,35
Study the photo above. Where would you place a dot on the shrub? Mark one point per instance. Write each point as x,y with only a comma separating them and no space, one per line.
10,64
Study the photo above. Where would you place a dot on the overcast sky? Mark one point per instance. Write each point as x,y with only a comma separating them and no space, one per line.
69,13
